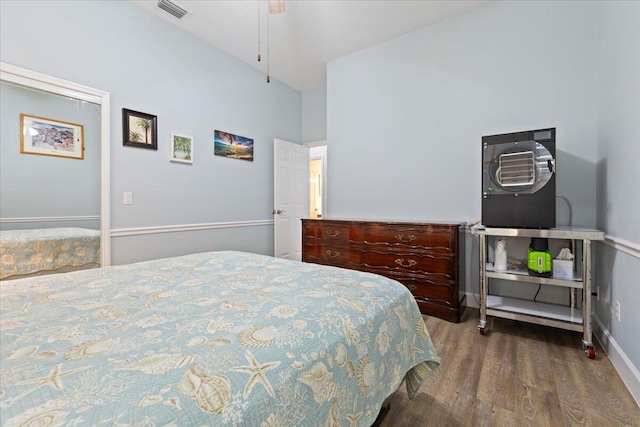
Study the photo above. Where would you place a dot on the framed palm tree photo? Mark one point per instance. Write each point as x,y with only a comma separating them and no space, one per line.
139,129
181,149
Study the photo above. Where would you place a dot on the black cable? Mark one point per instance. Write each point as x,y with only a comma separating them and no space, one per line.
536,295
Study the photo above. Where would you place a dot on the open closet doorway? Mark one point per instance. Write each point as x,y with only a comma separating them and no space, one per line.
317,179
39,199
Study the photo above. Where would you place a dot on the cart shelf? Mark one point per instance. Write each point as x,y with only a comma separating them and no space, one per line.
559,316
501,305
523,276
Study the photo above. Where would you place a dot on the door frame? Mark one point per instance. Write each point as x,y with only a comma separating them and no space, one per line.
323,156
33,79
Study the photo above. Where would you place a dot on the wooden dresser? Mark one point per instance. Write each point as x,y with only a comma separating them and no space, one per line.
425,257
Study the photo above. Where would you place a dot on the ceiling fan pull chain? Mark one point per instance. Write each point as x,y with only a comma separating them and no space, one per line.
259,57
268,54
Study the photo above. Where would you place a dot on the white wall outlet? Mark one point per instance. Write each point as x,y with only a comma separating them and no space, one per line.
128,197
618,310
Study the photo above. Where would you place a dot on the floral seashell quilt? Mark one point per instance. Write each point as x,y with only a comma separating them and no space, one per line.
219,339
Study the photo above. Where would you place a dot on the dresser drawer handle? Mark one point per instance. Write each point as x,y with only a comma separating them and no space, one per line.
411,287
407,239
333,233
410,263
333,254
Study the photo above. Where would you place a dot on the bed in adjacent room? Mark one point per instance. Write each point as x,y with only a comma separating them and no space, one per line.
218,338
47,250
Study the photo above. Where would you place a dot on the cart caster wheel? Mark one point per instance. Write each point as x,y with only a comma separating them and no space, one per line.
590,352
482,331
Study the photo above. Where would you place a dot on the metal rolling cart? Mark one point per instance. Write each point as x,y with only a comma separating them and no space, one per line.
569,317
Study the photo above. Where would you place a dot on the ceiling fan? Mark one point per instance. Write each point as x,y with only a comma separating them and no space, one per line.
276,6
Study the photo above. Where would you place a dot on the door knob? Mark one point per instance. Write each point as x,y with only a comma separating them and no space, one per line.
277,211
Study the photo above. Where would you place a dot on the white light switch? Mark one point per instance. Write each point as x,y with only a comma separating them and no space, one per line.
128,197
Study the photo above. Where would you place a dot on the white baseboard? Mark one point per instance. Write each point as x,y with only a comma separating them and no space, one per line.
628,372
472,300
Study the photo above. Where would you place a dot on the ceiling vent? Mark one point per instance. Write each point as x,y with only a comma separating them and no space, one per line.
172,8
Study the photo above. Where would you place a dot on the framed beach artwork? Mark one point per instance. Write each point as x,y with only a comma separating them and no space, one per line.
139,129
233,146
49,137
181,149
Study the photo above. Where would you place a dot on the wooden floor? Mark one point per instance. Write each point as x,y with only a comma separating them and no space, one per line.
517,375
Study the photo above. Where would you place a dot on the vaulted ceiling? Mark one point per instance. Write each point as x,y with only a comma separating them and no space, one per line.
308,34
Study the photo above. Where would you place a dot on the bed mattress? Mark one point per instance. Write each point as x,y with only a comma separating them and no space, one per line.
31,251
218,338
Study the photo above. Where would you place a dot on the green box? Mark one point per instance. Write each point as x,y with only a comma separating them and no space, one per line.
540,263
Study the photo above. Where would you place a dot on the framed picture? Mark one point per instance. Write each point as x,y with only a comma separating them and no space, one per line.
181,149
139,129
48,137
233,146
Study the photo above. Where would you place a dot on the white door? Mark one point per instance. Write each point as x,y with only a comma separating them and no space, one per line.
291,197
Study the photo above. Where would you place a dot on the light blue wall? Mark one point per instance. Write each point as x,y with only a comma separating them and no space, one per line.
618,155
406,117
314,115
405,120
150,66
35,186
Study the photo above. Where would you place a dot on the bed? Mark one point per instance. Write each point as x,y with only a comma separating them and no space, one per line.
219,338
46,250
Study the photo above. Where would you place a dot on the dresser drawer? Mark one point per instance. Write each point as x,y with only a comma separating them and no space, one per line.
427,285
435,292
434,264
332,255
331,233
431,237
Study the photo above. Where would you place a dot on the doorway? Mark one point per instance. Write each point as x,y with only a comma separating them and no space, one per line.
317,179
291,197
81,104
294,189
